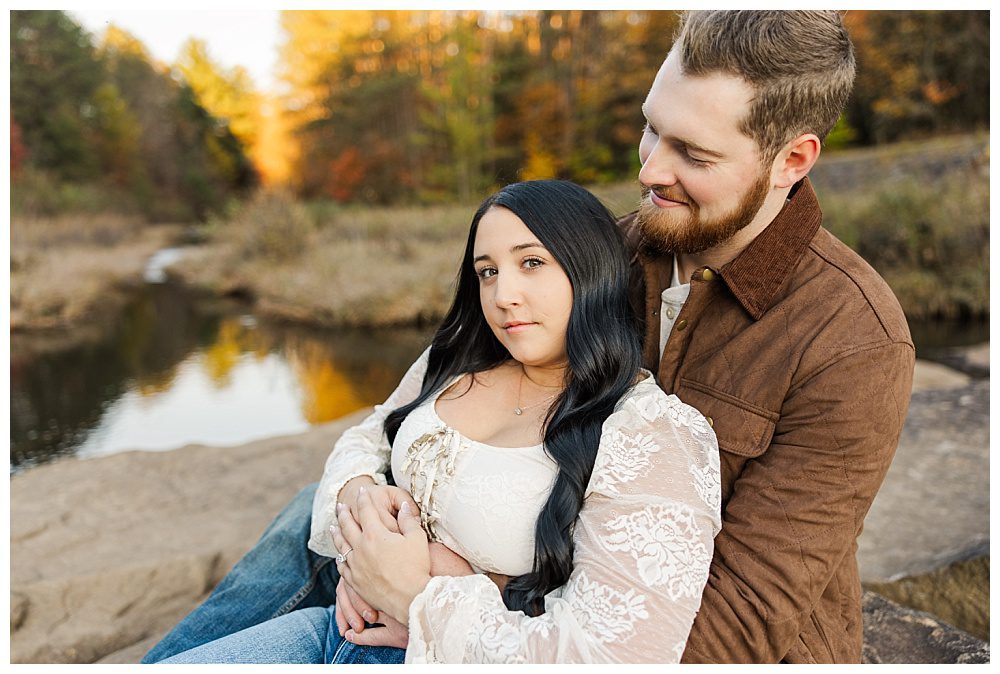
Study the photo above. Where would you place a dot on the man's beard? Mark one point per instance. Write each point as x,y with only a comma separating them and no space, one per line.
663,234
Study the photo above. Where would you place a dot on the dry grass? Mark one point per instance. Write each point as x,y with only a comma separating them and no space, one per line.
67,270
920,217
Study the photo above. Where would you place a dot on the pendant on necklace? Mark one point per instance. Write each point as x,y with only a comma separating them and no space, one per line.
517,411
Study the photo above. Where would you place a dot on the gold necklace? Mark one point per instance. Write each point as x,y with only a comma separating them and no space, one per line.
519,409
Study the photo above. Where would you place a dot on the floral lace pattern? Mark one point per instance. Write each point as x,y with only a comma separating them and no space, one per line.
607,613
665,541
627,458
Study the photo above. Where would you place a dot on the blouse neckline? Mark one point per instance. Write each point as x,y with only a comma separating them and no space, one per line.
432,403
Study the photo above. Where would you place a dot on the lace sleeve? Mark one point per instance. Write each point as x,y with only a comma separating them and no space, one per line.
643,546
361,450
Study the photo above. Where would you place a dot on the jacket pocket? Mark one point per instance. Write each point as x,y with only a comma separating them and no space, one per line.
741,427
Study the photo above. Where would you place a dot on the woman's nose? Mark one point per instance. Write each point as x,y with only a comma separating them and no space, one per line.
508,291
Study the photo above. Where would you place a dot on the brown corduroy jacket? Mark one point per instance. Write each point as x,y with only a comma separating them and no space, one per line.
800,356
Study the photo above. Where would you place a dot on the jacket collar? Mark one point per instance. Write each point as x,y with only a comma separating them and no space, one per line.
757,274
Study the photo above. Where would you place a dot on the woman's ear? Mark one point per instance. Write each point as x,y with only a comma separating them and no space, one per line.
795,160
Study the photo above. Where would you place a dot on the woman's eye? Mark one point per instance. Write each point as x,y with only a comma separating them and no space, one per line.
533,262
486,272
648,128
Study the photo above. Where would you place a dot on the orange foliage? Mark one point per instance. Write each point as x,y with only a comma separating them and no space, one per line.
17,150
346,172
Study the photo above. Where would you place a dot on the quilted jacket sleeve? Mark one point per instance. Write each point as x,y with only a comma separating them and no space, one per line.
361,450
797,509
643,545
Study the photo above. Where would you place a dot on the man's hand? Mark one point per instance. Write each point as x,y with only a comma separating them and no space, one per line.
392,633
351,611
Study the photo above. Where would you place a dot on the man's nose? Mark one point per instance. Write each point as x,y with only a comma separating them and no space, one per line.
658,169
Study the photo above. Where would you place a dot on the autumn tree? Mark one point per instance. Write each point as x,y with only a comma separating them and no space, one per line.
229,95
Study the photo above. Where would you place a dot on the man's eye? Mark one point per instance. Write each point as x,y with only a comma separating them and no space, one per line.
695,162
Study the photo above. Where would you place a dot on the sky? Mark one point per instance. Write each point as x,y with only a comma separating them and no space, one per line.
249,38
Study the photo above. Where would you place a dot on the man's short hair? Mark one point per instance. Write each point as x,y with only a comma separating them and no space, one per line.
799,63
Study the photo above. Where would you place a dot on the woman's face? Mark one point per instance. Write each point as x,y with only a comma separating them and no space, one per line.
525,294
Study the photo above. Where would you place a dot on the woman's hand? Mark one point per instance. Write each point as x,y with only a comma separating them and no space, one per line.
387,568
386,498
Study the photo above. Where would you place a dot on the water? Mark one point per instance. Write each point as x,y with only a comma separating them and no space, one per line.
179,369
176,369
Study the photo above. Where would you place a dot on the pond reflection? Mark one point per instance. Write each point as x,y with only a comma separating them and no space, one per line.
176,370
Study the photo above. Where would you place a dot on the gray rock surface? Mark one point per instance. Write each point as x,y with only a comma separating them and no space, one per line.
895,634
112,551
935,501
934,376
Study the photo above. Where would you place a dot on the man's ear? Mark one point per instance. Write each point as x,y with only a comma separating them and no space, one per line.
795,160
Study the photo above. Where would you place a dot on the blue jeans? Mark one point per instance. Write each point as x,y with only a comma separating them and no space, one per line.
279,576
307,636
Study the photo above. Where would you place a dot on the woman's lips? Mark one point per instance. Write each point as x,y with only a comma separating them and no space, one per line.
514,328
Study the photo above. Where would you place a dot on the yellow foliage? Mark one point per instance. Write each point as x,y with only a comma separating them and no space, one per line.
539,163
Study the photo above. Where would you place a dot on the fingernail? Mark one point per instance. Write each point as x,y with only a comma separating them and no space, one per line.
340,506
333,529
369,616
361,490
349,635
405,507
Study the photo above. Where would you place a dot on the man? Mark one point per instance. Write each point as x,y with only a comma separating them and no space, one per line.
793,348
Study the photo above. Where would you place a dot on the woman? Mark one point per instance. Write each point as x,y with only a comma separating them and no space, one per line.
534,447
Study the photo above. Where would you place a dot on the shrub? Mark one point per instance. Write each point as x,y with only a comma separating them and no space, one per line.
271,226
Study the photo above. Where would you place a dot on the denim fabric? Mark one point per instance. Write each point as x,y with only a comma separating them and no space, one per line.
307,636
279,575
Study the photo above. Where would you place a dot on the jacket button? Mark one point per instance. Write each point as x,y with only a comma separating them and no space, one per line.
681,324
711,424
708,274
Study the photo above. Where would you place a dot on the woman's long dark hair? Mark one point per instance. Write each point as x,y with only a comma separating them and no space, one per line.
602,345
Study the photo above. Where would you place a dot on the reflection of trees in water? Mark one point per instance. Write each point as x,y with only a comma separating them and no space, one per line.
327,393
59,397
343,372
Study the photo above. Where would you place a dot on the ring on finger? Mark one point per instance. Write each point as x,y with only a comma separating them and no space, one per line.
342,558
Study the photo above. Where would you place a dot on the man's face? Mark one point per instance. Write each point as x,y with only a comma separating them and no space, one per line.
702,180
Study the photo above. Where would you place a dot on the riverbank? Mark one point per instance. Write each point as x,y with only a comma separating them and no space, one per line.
70,273
107,554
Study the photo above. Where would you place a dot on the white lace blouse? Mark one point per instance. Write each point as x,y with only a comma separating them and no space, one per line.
642,542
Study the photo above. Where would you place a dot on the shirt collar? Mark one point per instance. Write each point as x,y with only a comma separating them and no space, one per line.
759,271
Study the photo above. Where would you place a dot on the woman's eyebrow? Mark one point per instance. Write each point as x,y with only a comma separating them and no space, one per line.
513,249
